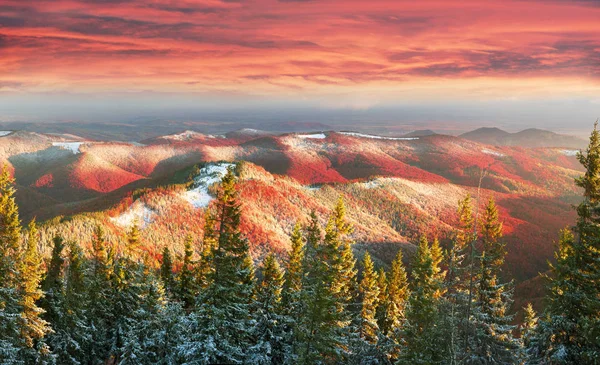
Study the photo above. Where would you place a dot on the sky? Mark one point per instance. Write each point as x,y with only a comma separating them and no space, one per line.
516,63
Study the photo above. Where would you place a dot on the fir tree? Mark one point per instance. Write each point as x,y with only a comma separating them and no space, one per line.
369,292
460,283
293,274
269,333
187,285
292,291
99,309
397,298
10,231
529,335
209,242
166,271
570,330
493,341
10,237
328,289
32,326
53,283
223,319
155,328
72,338
420,332
133,240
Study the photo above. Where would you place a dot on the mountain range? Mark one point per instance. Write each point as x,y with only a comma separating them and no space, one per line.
396,188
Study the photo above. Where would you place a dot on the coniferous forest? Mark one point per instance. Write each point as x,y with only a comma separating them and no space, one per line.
90,303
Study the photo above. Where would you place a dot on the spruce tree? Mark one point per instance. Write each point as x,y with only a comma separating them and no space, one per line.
133,240
166,271
154,328
187,286
328,289
53,283
570,328
369,294
223,318
209,242
460,283
493,341
292,291
99,301
10,231
420,332
528,333
32,326
269,333
397,298
10,239
293,274
72,338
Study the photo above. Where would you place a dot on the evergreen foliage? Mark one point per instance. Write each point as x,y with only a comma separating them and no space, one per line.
105,306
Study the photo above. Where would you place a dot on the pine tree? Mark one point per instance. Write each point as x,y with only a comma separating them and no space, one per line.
292,292
420,332
155,328
570,328
493,341
166,271
369,292
72,338
223,319
10,238
529,335
561,336
10,231
293,274
269,333
328,290
460,283
99,301
397,298
382,285
437,255
133,240
209,242
53,283
187,285
32,326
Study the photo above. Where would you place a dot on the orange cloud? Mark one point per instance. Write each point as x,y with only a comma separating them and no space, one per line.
301,48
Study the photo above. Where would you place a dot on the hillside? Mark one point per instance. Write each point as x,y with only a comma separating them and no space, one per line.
396,187
528,138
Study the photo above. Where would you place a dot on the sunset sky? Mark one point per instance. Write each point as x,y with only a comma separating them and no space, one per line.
532,60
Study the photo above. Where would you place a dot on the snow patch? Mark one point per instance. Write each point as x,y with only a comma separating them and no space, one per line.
312,136
138,213
312,188
70,146
184,136
569,152
199,197
373,184
493,153
5,133
362,135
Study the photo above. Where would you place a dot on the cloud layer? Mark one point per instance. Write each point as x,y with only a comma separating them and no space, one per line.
378,50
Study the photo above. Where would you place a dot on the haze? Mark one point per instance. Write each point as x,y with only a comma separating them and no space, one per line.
375,64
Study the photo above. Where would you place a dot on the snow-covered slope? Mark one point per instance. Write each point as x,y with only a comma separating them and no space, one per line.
362,135
70,146
139,213
209,175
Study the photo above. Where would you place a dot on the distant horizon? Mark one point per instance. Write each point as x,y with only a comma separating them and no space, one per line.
513,64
